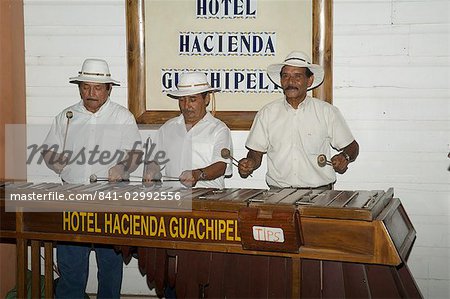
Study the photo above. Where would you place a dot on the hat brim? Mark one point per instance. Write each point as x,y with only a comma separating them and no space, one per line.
273,71
175,94
78,79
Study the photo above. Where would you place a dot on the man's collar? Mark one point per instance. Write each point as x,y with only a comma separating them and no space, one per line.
102,107
301,105
206,117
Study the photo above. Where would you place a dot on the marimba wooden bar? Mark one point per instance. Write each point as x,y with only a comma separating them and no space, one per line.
235,243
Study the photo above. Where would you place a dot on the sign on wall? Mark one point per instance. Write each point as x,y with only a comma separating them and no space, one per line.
232,41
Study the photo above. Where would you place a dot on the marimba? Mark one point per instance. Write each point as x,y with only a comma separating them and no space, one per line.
287,243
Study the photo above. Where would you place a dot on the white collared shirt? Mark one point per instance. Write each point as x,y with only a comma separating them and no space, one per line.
197,148
293,138
97,140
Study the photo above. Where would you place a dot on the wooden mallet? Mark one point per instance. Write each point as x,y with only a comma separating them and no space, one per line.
322,160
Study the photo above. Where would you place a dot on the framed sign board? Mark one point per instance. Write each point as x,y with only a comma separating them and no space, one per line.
233,42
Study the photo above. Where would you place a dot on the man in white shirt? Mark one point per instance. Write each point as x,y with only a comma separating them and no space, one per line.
295,130
93,137
193,141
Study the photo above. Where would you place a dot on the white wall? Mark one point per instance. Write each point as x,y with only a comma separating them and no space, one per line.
391,78
391,72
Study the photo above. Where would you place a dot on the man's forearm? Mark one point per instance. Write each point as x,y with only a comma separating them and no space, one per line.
255,156
352,150
54,161
211,172
132,161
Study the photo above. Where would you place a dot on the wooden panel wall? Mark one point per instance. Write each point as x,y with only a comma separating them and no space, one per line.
12,80
12,70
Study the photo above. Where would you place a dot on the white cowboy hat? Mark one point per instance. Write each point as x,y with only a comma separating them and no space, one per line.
96,71
190,84
298,59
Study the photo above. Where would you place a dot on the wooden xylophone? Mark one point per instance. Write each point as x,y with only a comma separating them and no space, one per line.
240,242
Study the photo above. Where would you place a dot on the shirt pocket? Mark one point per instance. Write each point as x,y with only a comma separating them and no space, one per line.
315,142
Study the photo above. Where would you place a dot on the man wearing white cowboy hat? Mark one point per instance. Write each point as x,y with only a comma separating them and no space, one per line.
294,130
80,138
193,141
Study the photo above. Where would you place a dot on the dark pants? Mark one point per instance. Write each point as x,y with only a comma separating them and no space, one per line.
73,265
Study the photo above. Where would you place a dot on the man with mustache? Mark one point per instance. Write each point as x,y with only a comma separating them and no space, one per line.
107,131
294,130
193,140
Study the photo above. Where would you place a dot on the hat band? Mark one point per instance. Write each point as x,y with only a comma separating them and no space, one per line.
94,74
193,85
294,58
